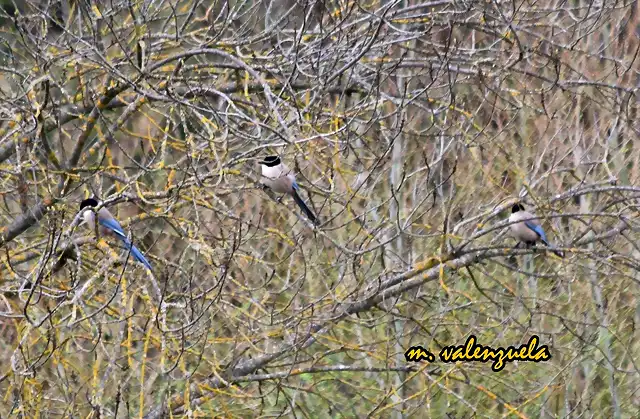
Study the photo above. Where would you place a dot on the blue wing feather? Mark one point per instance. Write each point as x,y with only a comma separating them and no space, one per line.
115,226
538,229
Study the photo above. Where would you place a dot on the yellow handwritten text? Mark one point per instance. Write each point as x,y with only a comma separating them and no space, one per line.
471,351
418,353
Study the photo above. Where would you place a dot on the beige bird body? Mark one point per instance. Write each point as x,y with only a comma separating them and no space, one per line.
280,179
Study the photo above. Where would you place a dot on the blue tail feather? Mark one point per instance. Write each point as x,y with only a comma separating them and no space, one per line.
304,206
114,226
135,252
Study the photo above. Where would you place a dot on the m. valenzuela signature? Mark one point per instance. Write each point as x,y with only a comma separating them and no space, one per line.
472,351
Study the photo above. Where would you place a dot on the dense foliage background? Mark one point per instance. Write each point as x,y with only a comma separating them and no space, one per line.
413,127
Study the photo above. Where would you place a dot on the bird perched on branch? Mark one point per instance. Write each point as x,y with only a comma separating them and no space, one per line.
109,225
279,178
528,231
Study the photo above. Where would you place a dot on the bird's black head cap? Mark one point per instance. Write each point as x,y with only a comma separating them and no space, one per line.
89,202
517,207
271,161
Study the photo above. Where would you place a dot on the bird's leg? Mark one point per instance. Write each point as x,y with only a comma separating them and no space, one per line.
512,258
